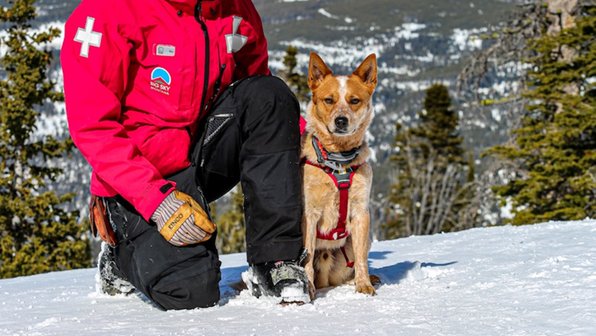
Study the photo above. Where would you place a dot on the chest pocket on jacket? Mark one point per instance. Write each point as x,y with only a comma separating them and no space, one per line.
172,78
166,75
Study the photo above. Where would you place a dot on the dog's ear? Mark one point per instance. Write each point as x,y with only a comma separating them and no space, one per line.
367,71
317,70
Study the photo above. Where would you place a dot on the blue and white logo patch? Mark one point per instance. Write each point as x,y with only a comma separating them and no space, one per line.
161,80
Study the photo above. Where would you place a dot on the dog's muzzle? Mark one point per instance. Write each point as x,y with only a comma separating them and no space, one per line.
341,125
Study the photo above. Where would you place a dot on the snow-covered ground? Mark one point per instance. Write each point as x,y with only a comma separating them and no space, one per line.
531,280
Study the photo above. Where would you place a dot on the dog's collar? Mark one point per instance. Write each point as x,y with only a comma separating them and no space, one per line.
333,160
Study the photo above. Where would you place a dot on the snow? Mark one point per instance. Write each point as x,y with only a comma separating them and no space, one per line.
342,52
530,280
325,13
467,39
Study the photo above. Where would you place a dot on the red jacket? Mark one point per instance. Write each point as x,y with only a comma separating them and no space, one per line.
138,75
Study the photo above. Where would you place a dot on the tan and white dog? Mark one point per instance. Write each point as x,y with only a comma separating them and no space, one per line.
337,179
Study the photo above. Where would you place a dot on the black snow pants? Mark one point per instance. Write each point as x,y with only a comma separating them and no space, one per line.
250,136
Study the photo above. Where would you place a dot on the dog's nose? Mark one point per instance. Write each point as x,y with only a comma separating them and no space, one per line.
341,123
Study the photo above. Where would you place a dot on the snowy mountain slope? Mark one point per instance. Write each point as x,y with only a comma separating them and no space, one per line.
531,280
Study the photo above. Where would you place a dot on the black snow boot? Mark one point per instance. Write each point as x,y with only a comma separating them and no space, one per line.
284,279
110,279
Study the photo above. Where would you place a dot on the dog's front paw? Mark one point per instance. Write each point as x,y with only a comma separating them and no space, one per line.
365,289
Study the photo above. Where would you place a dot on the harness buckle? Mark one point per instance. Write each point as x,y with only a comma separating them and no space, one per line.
333,165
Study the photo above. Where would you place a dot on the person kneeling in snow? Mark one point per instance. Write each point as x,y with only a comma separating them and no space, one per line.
172,104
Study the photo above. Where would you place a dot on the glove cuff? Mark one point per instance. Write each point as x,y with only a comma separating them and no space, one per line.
167,207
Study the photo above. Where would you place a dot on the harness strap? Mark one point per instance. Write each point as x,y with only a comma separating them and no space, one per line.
343,182
349,263
333,165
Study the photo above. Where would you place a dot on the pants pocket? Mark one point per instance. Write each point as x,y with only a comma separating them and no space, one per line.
215,126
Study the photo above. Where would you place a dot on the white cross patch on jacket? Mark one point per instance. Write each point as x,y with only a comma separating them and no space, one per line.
235,41
87,37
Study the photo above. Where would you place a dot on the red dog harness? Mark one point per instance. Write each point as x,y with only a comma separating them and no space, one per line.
333,165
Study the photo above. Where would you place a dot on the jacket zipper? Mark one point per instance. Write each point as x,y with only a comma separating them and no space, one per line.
198,9
217,87
197,15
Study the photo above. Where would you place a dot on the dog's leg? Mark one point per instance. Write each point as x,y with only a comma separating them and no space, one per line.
361,245
309,231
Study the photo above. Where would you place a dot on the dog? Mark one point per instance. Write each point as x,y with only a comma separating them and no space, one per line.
337,179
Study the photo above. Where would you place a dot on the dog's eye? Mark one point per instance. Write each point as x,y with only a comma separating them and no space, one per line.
354,101
328,101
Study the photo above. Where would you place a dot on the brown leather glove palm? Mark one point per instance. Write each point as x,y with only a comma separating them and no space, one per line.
182,221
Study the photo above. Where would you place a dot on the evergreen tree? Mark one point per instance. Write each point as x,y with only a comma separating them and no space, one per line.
439,124
37,234
431,194
231,227
296,81
555,146
400,200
